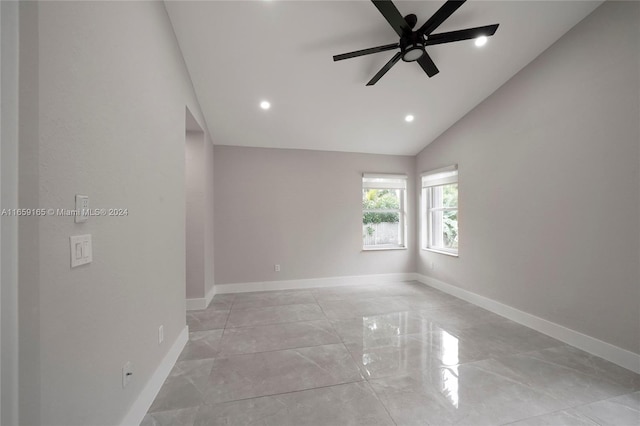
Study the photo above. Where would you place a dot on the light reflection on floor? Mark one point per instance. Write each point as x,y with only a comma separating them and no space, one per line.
382,332
449,357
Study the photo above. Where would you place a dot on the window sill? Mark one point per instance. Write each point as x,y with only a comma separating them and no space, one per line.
448,253
383,248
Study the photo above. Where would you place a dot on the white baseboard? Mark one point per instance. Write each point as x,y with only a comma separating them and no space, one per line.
202,302
142,404
615,354
314,283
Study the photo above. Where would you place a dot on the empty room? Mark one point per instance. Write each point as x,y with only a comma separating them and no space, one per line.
320,213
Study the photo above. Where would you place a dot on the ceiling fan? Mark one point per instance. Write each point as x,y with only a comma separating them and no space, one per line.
412,43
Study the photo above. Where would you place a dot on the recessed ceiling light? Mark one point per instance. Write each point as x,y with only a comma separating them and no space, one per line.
481,41
409,118
265,105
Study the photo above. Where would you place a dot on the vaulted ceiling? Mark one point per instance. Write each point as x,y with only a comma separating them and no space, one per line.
240,53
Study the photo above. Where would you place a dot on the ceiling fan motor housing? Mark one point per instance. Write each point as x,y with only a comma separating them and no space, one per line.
412,47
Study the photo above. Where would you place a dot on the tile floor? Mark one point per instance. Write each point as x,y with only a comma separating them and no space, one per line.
401,353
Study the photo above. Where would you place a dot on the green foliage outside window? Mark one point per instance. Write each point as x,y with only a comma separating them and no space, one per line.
380,199
450,218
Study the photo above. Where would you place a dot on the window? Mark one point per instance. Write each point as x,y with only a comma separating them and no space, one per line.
440,210
384,211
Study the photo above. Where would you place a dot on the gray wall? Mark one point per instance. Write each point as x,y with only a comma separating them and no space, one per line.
9,35
267,200
549,184
209,198
103,96
29,370
195,188
199,211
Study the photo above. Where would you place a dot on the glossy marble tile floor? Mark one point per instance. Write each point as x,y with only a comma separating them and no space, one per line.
401,353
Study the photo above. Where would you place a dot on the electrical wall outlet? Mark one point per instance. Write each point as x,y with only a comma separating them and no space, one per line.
276,268
161,334
433,266
127,374
82,208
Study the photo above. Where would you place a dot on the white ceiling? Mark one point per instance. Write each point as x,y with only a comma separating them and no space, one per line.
241,52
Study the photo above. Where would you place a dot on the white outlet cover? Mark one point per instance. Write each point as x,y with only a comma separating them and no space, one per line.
82,208
161,334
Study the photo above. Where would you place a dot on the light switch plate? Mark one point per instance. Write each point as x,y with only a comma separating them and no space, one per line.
81,250
82,208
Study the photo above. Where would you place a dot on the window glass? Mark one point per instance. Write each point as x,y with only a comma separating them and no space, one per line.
383,213
440,210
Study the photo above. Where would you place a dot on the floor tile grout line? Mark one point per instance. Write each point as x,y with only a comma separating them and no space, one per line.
260,325
366,379
274,323
331,324
575,407
236,301
342,341
563,367
300,347
369,383
220,355
408,373
382,403
317,302
344,344
277,323
560,410
268,292
522,383
233,301
583,404
362,379
226,320
269,306
276,350
606,399
286,393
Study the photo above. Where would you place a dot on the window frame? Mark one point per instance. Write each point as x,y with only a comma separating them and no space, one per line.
392,183
429,181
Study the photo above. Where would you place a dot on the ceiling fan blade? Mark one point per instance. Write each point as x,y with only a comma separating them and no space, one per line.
366,51
393,16
428,65
440,16
384,69
459,35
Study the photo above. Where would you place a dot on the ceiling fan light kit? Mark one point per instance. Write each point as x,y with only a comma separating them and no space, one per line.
412,43
412,50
